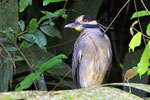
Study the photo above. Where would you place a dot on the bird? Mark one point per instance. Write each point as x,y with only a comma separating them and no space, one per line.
92,54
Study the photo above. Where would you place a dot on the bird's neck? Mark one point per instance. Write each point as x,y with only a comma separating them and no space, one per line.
95,31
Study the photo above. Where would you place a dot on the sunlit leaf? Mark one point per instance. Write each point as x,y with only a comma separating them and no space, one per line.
130,73
28,81
23,4
52,62
32,25
40,39
25,44
140,14
144,61
21,24
135,41
46,2
148,30
148,73
50,31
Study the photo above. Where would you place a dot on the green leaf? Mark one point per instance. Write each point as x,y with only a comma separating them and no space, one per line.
64,16
21,24
140,14
40,39
10,36
28,37
18,58
148,30
10,47
28,81
59,12
135,41
49,14
25,44
23,4
44,18
51,31
32,25
148,73
144,61
4,31
52,62
46,2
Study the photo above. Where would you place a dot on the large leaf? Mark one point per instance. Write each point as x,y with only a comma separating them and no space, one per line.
28,81
46,2
143,87
144,61
23,4
135,41
52,62
32,25
93,93
40,39
51,31
140,14
148,29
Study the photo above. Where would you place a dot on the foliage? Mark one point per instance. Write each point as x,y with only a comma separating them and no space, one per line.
140,14
142,66
28,81
32,34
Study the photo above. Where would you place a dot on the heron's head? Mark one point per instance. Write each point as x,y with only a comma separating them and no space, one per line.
82,22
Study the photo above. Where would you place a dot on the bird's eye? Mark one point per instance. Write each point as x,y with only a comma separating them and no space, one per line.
85,20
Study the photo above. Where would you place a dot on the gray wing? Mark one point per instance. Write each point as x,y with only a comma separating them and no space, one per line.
75,65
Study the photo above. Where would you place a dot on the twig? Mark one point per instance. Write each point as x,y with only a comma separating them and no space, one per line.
30,66
117,15
62,10
139,22
22,33
59,82
145,7
8,55
60,44
129,86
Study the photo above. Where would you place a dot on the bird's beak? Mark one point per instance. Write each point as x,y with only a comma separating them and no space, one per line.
72,25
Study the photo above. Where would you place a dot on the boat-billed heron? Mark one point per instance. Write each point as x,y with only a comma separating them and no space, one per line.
92,54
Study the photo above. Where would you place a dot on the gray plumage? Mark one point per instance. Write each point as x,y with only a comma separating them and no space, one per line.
92,54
